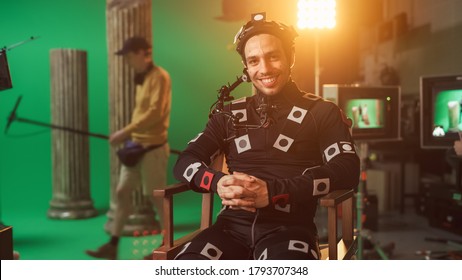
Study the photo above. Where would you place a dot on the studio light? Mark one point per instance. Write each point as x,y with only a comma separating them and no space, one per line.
316,15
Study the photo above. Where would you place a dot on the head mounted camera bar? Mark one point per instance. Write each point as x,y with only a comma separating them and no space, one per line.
259,25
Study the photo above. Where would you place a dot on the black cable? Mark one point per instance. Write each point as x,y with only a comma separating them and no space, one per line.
26,134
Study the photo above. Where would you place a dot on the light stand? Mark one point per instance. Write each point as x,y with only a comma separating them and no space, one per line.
360,195
5,77
317,68
316,14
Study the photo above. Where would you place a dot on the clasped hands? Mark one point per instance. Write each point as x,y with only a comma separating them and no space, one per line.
243,191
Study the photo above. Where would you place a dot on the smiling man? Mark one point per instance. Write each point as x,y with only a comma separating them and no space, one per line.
286,150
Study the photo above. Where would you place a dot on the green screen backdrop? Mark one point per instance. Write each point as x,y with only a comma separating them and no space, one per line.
194,47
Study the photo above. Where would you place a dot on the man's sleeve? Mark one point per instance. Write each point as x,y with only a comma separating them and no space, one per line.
193,164
339,171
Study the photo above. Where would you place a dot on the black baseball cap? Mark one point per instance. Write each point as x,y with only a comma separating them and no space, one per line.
134,44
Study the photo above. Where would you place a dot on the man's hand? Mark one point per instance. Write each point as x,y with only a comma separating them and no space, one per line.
233,193
242,191
118,137
256,185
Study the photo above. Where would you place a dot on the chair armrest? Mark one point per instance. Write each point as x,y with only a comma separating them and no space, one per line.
166,193
171,190
336,197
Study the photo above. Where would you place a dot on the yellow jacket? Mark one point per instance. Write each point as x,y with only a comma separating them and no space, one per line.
151,116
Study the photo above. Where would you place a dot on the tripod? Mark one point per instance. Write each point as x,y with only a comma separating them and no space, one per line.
360,196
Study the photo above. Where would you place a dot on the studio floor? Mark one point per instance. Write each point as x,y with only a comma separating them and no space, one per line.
406,236
414,239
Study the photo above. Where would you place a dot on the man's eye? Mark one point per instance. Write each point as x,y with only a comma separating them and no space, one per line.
274,57
252,62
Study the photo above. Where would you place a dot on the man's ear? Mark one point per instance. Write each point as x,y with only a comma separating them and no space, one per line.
292,58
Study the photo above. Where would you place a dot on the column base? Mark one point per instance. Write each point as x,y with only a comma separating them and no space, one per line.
70,210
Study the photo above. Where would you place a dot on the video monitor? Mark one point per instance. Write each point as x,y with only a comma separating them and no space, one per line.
441,111
374,110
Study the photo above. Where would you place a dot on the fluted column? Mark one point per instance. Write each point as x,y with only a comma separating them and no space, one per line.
70,151
125,19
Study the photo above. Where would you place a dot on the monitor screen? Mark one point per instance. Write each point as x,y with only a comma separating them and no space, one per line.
366,113
448,109
441,111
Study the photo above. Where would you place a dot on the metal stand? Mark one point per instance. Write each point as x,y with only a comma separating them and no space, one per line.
360,195
13,117
317,68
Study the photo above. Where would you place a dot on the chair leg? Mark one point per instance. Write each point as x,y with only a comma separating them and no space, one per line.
332,232
347,220
168,221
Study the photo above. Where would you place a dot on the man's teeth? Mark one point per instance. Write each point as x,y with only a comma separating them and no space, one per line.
269,80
